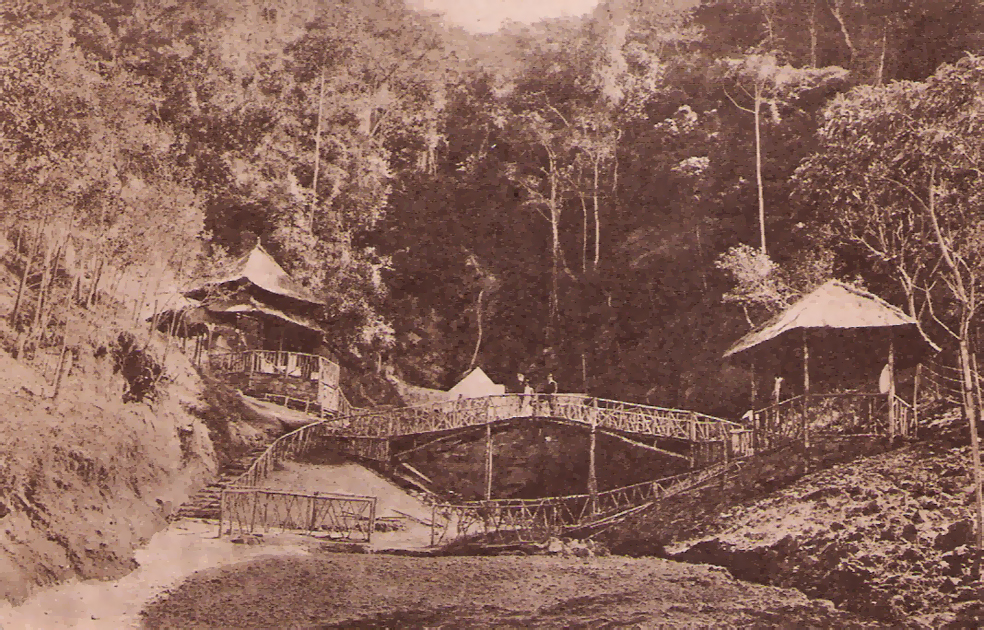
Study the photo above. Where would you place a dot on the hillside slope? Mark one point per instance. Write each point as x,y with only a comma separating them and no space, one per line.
87,479
887,536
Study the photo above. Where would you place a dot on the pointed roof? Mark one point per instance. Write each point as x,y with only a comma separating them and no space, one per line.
259,268
832,305
476,383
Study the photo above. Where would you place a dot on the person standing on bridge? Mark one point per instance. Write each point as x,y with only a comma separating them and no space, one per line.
526,402
551,390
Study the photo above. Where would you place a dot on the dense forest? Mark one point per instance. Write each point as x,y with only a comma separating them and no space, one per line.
613,199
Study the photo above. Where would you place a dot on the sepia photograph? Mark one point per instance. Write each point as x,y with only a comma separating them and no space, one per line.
491,314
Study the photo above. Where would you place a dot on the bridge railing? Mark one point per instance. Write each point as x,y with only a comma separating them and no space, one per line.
635,418
845,413
249,510
325,398
287,447
538,519
476,411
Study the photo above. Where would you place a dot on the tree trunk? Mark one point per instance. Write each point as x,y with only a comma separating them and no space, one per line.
39,303
554,307
597,221
49,289
478,317
317,151
758,162
879,77
813,34
64,365
584,236
19,301
21,286
970,411
97,276
835,10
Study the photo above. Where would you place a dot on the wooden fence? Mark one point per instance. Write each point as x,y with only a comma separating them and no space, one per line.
340,516
849,413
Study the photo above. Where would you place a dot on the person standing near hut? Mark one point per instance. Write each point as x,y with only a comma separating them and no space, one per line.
777,391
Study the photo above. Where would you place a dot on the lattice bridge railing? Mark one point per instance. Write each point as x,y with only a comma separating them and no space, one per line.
340,516
611,414
535,520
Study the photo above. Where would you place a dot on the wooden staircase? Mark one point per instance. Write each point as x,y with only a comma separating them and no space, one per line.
206,502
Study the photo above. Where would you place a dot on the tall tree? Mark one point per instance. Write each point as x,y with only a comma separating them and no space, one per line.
902,169
760,78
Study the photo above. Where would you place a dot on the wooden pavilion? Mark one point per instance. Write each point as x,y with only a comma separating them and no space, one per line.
257,327
853,328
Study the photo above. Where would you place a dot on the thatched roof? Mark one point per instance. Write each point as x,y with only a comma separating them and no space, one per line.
832,305
260,269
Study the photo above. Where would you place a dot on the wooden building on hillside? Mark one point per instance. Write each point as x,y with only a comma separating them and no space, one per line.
256,327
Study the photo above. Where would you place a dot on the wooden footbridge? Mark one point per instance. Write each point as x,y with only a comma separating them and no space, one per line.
715,446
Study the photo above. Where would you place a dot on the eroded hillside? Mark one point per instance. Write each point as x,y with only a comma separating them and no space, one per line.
87,478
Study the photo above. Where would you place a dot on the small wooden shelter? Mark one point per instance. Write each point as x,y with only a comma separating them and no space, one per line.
259,328
833,309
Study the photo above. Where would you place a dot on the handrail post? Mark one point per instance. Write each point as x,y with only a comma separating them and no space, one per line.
252,518
372,521
222,508
314,512
892,419
488,461
592,475
433,523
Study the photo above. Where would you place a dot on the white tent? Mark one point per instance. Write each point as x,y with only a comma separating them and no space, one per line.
475,385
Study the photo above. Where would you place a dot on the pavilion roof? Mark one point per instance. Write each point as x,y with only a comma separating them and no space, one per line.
260,269
832,305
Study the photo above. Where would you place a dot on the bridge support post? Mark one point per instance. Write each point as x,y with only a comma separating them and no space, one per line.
488,461
806,402
592,475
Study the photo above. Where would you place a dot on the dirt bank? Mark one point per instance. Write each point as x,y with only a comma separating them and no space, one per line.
888,536
87,479
377,591
885,535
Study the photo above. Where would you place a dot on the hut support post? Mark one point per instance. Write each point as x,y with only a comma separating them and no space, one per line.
754,389
892,428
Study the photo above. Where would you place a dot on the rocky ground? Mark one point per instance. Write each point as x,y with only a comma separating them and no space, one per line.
886,536
330,590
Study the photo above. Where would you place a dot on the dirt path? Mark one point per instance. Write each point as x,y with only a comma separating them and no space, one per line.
376,591
171,556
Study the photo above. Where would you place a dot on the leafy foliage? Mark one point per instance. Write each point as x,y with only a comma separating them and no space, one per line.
567,197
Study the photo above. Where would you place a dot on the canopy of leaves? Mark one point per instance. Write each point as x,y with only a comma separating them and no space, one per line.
565,187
